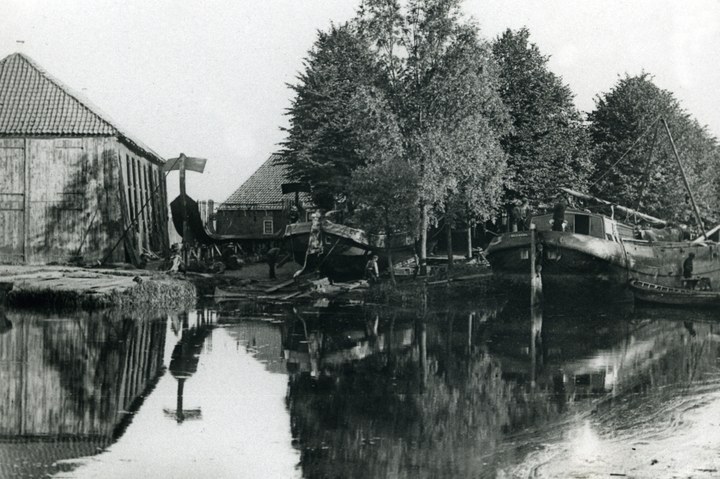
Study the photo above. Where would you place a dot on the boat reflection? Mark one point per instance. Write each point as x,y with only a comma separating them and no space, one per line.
469,393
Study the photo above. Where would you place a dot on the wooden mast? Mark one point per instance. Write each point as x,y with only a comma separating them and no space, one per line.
181,167
685,181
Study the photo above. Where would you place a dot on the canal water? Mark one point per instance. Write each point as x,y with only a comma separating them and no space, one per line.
458,389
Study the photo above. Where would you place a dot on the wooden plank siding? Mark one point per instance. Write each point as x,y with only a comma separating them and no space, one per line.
12,200
143,201
75,378
59,200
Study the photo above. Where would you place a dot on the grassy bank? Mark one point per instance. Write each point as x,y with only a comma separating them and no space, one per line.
68,288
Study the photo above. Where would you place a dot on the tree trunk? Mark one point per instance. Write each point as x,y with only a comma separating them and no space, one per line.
469,239
448,233
423,239
388,247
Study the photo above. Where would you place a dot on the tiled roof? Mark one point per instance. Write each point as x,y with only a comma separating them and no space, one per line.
32,102
264,187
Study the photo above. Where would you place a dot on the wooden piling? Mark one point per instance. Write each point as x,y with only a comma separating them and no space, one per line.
535,277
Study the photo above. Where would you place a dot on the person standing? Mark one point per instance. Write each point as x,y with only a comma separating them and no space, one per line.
524,215
515,217
372,274
272,258
688,266
559,214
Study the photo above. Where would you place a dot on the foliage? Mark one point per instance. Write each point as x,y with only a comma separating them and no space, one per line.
402,100
548,145
385,187
322,148
444,86
623,123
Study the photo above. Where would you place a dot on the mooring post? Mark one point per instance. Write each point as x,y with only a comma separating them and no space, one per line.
535,279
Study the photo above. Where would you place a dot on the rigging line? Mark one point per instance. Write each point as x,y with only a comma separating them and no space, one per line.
637,140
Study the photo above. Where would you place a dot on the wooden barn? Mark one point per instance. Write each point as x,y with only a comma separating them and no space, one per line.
258,211
71,181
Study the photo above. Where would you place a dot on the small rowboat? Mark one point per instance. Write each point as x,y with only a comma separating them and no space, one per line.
655,293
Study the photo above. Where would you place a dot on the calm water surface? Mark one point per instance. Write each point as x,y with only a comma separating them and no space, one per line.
488,389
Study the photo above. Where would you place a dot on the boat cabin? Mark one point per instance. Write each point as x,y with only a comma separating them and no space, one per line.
586,223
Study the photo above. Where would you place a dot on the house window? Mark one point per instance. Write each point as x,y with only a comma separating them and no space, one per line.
268,227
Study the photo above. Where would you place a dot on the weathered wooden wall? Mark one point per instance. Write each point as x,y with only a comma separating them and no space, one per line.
59,198
12,200
75,377
146,201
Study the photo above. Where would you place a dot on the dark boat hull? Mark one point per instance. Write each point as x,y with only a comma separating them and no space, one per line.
574,259
567,259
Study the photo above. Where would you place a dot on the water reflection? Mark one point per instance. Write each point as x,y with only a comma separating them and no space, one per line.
70,382
477,393
471,389
184,361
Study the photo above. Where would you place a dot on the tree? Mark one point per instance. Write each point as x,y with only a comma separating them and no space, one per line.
321,148
548,145
414,75
444,89
385,188
636,167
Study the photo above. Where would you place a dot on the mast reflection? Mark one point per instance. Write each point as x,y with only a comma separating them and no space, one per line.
185,357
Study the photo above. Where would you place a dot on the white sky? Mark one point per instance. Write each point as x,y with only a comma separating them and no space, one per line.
208,78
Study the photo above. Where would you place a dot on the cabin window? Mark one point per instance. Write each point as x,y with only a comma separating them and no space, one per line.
582,224
268,227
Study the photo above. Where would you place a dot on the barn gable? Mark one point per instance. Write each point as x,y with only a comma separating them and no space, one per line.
32,102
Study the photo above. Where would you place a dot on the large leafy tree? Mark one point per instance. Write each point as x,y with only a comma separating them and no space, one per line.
633,157
385,187
414,75
548,145
322,149
444,89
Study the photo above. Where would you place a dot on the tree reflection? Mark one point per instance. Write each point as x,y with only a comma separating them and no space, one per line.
473,388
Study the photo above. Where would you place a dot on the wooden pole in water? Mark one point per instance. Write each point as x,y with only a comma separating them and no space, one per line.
469,239
535,279
687,185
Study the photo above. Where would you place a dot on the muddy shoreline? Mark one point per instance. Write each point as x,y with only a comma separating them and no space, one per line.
69,287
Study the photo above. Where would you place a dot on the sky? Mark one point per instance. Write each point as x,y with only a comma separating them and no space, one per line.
209,78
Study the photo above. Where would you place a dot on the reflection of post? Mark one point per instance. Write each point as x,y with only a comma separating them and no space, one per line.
184,363
535,341
422,335
470,331
535,278
180,414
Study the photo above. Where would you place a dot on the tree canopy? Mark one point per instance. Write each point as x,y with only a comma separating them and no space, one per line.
414,75
322,148
548,145
636,167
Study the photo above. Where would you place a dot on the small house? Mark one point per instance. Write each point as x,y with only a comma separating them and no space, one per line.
258,211
73,184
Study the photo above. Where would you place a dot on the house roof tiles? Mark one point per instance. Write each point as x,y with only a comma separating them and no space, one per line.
263,188
32,102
